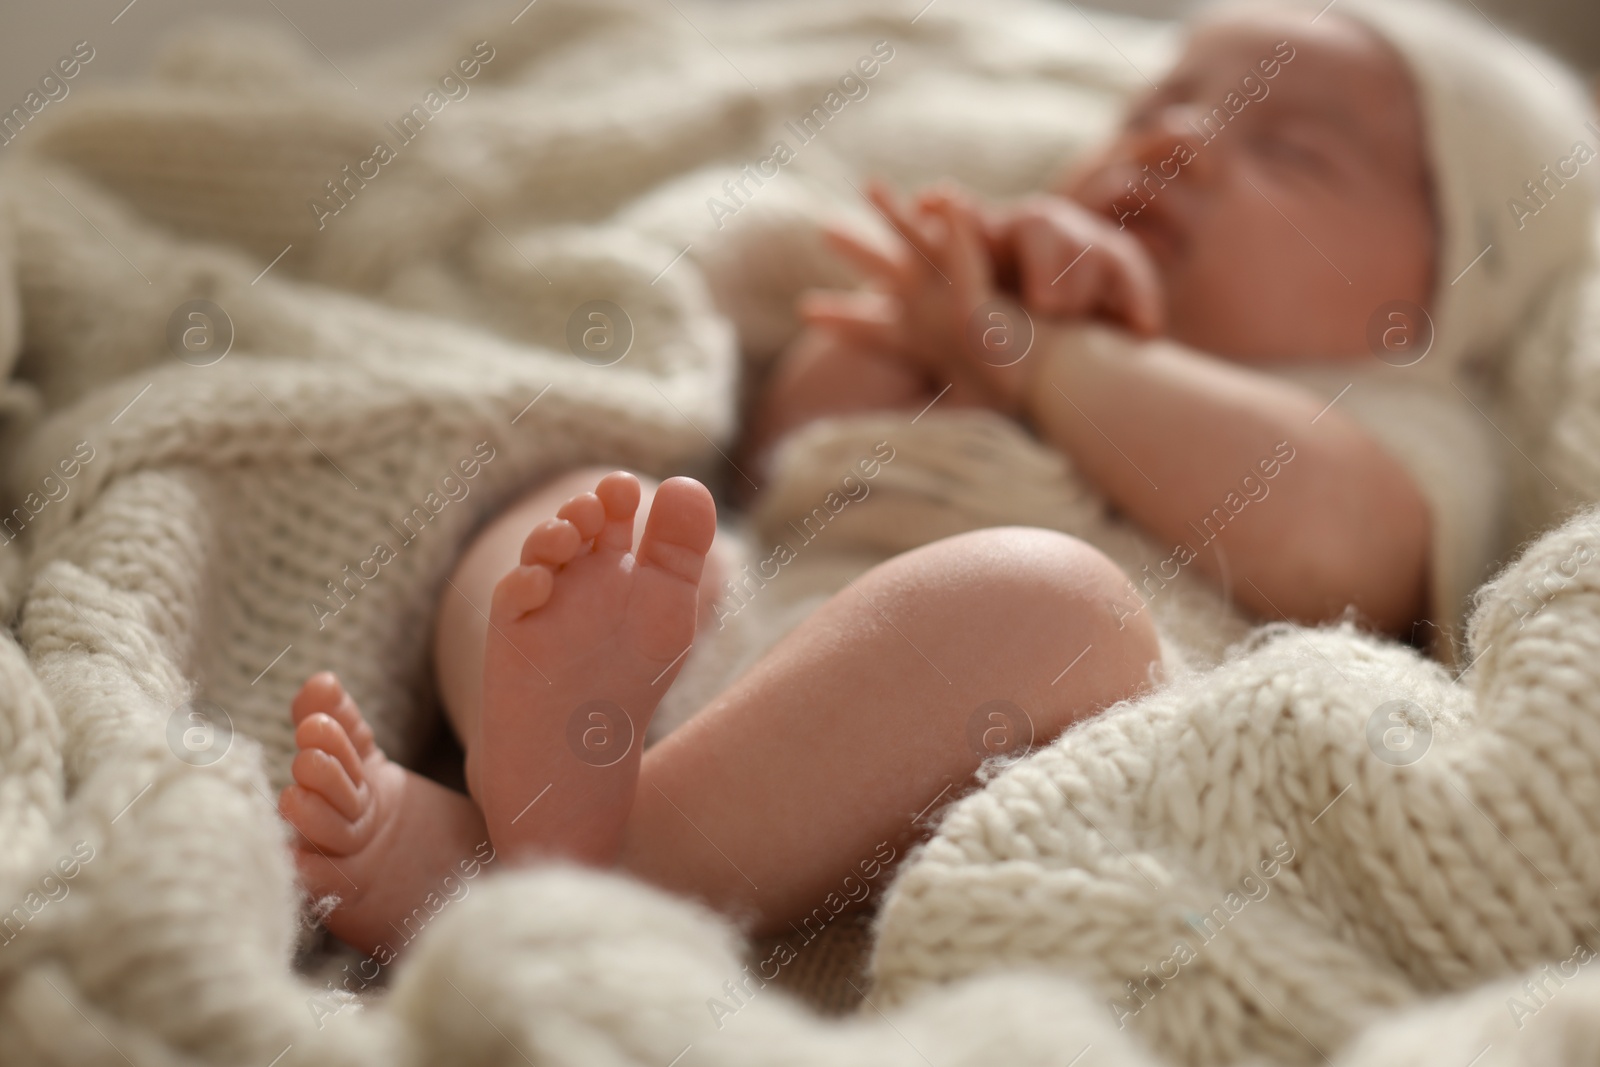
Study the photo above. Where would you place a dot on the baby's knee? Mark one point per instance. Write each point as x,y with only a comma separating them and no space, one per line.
1033,561
1045,589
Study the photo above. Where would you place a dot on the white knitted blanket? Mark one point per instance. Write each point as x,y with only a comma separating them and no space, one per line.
266,377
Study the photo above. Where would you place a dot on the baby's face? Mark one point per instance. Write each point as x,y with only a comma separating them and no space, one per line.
1283,224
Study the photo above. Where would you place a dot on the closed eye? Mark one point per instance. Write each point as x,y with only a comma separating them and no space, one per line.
1295,149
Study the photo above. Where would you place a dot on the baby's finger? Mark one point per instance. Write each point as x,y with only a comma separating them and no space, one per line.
947,200
887,199
903,222
966,259
865,256
1132,293
816,305
866,317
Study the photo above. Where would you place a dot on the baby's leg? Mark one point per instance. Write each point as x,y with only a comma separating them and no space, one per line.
875,708
872,711
374,834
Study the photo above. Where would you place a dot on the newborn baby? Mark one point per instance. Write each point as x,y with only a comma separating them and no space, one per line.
1170,284
1204,256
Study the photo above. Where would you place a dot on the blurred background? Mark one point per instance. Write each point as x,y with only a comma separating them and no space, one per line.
34,33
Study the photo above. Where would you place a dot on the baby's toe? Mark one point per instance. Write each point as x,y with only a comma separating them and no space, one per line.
321,693
586,513
323,826
619,492
324,733
552,542
679,529
336,777
522,590
324,695
355,727
319,772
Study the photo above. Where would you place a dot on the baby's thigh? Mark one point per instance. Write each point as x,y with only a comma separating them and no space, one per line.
462,619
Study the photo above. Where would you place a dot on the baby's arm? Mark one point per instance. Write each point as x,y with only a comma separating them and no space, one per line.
1168,434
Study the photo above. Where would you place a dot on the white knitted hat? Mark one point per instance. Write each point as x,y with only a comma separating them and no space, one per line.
1514,151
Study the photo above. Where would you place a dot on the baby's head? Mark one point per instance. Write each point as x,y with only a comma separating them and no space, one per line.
1302,167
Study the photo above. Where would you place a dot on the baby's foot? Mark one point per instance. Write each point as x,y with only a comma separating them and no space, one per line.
584,639
388,843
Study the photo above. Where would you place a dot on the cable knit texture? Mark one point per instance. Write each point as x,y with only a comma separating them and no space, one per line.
204,547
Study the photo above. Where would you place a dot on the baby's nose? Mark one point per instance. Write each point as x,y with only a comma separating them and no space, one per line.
1160,136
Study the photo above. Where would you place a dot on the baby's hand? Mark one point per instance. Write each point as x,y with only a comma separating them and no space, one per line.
925,302
1065,261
